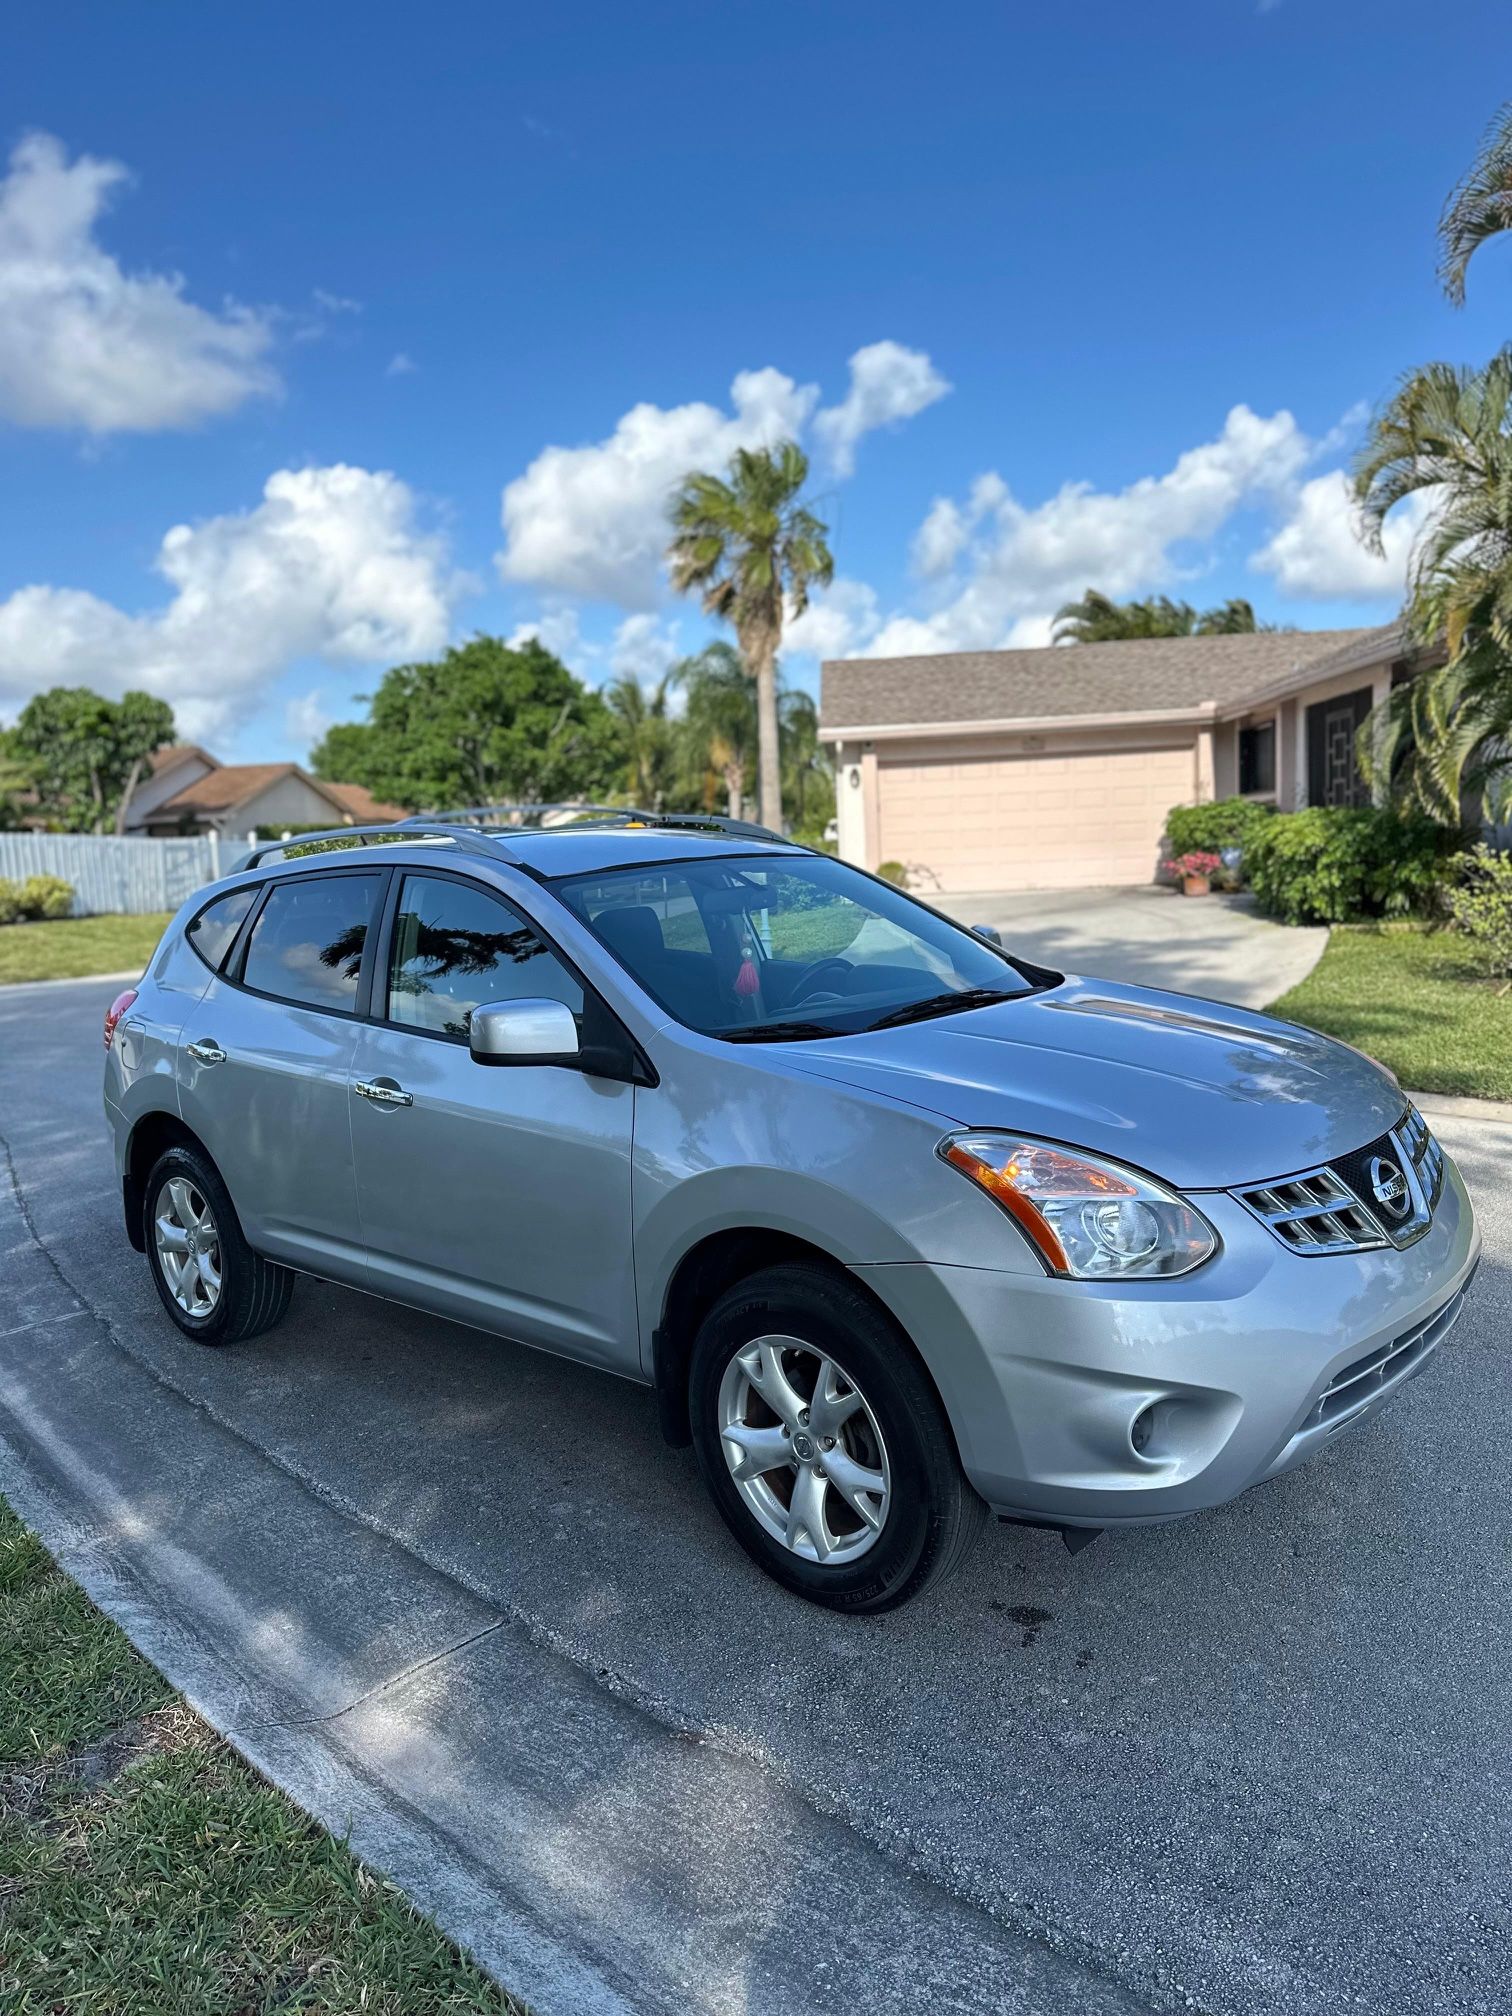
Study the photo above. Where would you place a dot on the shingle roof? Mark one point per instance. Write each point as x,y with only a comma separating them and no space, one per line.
363,806
1142,675
178,752
223,789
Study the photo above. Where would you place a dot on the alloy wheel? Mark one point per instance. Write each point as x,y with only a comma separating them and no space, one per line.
804,1449
188,1246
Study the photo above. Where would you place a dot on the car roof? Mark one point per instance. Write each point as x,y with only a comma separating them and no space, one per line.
550,854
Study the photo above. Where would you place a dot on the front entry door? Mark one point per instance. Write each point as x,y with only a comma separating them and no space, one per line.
499,1195
1333,774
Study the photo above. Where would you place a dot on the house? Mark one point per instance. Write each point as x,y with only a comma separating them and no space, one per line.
187,790
1055,768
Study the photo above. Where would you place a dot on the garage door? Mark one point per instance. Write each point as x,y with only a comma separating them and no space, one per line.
1031,822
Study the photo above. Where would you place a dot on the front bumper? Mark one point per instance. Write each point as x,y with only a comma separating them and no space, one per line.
1247,1366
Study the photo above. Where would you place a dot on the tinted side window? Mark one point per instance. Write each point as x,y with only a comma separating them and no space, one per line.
456,947
306,945
218,923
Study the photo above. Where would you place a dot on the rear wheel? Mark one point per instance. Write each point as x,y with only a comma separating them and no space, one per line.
824,1445
212,1284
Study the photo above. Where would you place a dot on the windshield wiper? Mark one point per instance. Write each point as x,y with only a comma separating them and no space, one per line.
949,1003
776,1032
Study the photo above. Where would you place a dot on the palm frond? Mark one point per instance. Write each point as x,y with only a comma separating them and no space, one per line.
1478,207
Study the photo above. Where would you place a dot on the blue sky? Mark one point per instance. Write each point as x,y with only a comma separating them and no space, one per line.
329,334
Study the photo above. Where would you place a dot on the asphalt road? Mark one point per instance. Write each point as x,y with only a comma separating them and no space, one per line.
1255,1762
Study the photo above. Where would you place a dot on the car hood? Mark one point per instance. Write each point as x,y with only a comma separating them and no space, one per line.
1203,1095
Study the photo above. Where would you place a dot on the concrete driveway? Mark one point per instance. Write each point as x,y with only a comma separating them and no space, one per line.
1212,945
461,1599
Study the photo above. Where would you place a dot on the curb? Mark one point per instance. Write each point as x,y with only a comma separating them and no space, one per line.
1441,1106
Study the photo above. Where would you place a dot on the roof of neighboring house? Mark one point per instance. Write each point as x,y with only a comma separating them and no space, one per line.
1146,675
225,787
172,753
231,785
360,802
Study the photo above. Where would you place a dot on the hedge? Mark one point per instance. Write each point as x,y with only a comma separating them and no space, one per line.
1332,864
1208,829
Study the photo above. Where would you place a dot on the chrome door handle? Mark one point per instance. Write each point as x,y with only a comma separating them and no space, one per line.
382,1094
206,1051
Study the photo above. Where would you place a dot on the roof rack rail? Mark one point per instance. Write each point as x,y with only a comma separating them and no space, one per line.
471,838
508,819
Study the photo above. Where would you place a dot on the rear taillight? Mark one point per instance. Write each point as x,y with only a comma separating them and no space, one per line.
115,1011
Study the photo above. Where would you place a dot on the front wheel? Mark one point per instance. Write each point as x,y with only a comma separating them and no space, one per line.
212,1284
824,1445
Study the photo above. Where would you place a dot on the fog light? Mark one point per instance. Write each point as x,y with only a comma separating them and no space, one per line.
1141,1429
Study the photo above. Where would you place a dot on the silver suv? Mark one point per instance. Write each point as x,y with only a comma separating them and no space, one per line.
901,1229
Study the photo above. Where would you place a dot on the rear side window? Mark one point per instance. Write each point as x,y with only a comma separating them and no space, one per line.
456,947
218,923
306,945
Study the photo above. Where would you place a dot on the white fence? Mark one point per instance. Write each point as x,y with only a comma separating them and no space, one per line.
135,876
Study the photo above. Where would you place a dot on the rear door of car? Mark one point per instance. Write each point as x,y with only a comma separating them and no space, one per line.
498,1195
265,1060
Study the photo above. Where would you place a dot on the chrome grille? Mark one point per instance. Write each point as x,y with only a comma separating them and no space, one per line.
1314,1213
1331,1209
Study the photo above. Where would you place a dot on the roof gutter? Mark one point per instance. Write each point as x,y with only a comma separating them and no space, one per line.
1203,713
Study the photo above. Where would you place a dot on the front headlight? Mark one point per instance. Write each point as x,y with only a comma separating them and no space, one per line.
1088,1219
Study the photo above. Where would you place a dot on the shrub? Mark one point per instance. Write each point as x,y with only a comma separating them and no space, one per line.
1332,863
1208,829
1481,907
46,896
10,902
894,871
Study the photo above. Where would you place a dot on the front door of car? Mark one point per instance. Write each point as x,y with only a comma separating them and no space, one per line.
500,1196
264,1064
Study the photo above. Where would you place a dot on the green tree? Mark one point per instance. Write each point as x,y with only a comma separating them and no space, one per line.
1446,437
488,723
86,754
1478,207
648,737
718,729
808,777
1097,619
753,552
15,781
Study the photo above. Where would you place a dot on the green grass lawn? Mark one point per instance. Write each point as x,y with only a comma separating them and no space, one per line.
75,947
1416,1001
145,1870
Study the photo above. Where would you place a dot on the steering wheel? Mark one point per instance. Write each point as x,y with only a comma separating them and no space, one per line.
803,986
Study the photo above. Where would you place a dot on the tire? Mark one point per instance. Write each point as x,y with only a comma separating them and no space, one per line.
876,1549
184,1198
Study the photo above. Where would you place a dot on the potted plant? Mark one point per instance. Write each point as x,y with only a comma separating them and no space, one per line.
1196,872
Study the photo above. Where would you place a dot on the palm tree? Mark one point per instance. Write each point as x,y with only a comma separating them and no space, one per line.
1446,437
647,735
1097,619
753,551
1478,207
718,726
805,760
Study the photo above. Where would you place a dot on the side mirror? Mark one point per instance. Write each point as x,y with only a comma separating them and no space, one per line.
990,932
523,1032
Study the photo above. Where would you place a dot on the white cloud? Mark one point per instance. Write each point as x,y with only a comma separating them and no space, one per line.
400,365
305,719
1017,563
558,628
839,621
644,647
331,564
84,343
1318,553
888,384
592,521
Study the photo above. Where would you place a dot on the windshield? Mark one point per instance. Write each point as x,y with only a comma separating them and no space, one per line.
752,950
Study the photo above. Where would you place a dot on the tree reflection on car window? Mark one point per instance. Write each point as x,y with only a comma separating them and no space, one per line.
456,948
